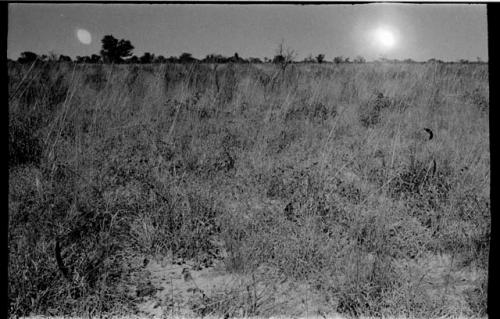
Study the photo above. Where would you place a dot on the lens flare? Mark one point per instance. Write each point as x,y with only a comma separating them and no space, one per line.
84,36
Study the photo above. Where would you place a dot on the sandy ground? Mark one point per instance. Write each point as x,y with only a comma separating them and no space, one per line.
178,287
174,289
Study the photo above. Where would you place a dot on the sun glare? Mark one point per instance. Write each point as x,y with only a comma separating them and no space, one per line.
84,36
384,38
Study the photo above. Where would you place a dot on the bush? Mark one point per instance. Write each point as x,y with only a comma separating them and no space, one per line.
369,111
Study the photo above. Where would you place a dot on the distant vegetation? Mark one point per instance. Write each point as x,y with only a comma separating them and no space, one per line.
114,50
120,52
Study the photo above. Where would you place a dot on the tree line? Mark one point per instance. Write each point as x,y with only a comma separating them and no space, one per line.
120,52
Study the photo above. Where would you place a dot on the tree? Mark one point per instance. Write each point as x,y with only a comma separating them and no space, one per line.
133,59
278,59
215,58
147,58
186,58
255,60
359,59
236,59
114,50
218,58
284,55
27,57
308,59
160,59
320,58
434,61
338,59
64,58
172,59
94,58
83,59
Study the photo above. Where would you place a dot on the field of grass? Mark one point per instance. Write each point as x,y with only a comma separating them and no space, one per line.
315,189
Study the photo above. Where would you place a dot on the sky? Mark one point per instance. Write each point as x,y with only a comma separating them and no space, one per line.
447,32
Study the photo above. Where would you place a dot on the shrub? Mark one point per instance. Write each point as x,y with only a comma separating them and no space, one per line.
369,111
479,98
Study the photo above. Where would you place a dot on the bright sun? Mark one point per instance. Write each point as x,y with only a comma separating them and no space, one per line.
83,36
384,38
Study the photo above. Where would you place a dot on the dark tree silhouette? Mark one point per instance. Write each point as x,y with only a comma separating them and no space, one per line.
215,58
27,57
434,61
186,58
94,58
278,59
255,60
64,58
114,50
339,59
284,56
320,58
172,59
236,59
83,59
133,59
147,58
359,59
160,59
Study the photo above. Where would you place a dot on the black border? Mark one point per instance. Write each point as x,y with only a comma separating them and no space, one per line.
4,268
493,12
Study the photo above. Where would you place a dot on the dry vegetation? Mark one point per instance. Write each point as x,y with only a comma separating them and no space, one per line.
318,176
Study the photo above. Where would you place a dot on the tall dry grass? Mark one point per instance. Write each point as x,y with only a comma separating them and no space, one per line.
322,173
